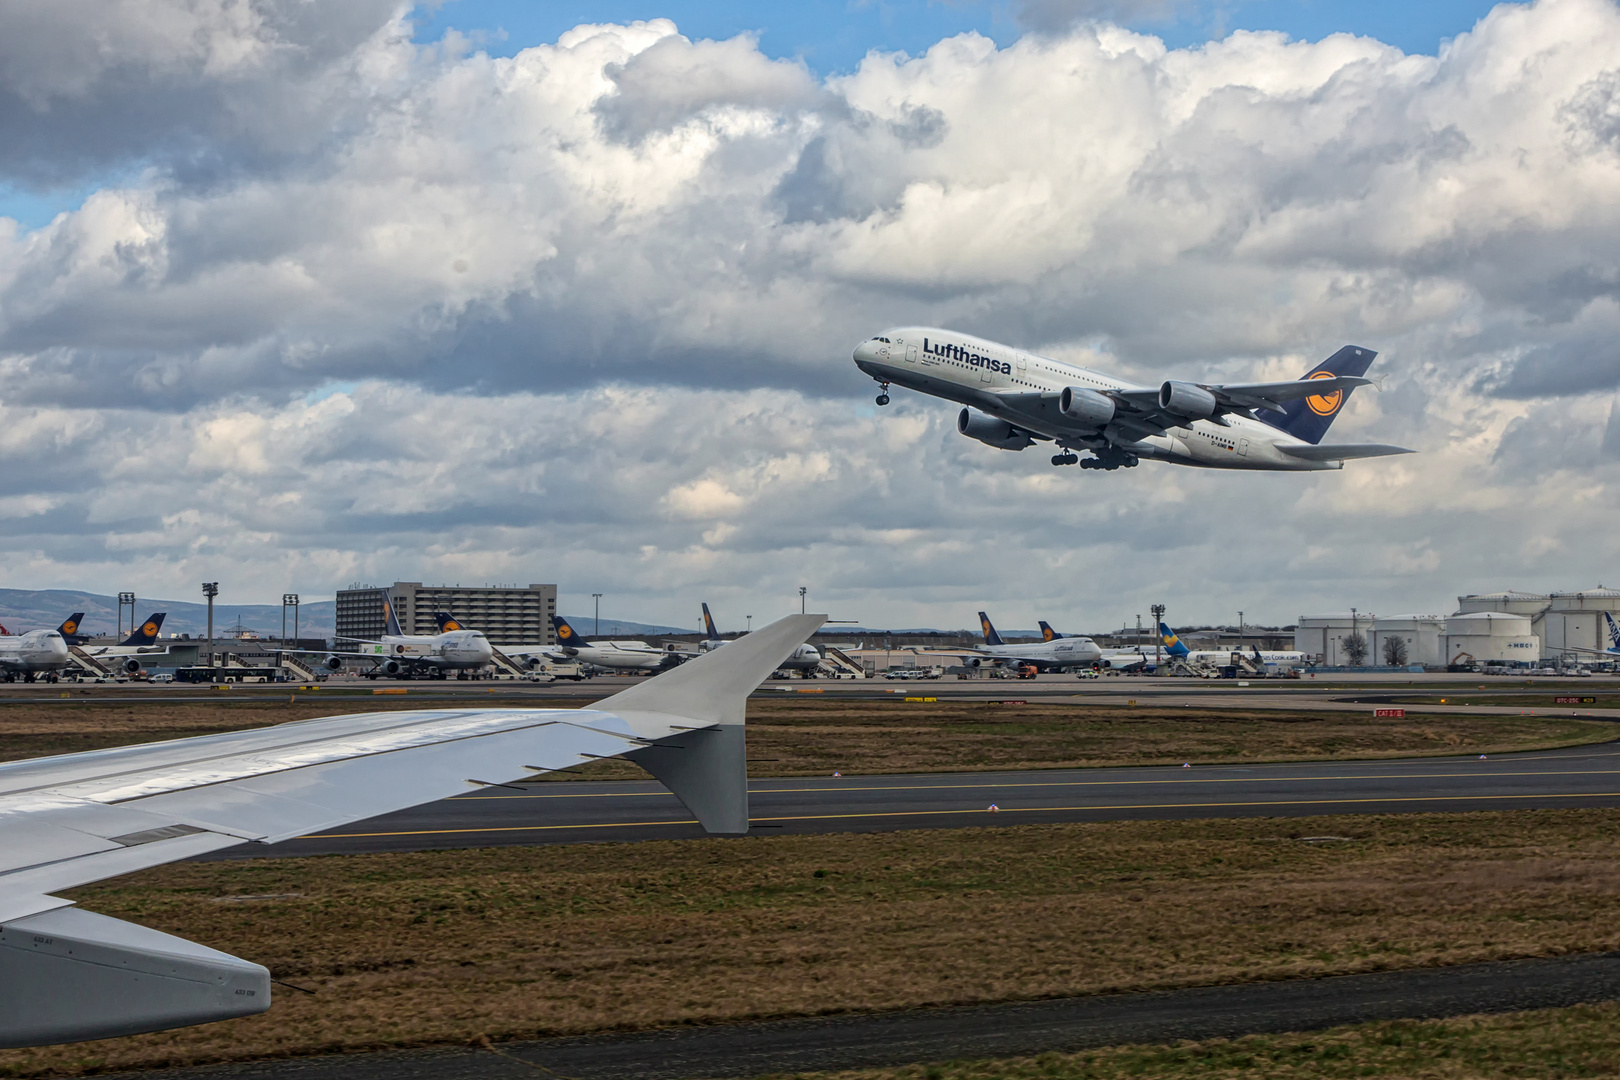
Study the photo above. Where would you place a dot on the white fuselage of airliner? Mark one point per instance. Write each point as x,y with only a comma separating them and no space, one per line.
1021,397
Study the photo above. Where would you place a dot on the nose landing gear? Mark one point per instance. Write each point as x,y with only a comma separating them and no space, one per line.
883,393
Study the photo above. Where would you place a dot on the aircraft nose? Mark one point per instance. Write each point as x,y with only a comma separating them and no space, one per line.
484,649
866,352
58,647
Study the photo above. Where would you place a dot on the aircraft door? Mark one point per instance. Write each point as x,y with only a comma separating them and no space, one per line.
1243,448
911,354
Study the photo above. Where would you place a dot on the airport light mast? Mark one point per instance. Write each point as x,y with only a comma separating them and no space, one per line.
598,598
1158,636
126,600
210,590
802,590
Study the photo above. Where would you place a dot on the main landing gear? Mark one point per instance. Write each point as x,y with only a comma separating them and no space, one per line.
883,393
1067,458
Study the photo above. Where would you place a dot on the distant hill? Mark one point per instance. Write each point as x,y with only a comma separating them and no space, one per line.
34,609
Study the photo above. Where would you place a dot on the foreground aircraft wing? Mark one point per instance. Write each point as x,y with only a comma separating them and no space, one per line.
68,974
1340,451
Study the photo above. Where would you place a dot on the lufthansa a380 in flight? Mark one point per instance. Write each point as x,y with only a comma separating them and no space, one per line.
1014,399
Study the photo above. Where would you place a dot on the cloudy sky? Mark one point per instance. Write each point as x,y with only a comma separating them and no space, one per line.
297,294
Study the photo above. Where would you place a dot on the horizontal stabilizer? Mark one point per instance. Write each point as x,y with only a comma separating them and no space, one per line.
1341,451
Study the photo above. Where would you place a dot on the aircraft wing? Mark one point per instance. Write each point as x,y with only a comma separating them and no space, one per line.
67,974
1272,396
1340,451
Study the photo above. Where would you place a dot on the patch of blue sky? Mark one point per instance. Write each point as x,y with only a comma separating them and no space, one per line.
832,36
35,209
329,389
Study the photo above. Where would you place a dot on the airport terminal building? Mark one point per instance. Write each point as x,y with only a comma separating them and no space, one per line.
507,616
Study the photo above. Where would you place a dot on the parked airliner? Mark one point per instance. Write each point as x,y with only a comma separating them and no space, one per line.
405,655
1015,399
806,658
1055,655
36,653
612,655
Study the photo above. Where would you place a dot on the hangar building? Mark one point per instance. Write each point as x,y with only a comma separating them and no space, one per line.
507,616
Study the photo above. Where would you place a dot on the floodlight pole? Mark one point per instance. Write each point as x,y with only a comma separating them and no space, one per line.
210,590
1158,635
126,599
802,591
597,632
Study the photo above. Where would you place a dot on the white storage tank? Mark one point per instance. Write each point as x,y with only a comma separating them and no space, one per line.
1574,620
1324,636
1419,636
1494,637
1511,601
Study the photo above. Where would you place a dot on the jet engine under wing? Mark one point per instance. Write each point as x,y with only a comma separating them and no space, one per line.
67,975
1341,451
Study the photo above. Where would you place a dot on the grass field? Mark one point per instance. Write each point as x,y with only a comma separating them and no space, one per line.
1550,1044
810,736
443,947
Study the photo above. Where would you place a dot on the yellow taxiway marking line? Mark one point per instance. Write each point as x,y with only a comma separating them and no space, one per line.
1007,810
1064,783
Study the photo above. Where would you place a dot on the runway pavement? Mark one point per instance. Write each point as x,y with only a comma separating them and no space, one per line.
578,811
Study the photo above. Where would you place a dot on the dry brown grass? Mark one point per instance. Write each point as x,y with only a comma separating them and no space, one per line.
518,942
1583,1041
799,736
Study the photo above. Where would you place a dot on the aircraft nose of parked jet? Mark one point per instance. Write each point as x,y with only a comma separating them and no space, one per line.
56,646
481,648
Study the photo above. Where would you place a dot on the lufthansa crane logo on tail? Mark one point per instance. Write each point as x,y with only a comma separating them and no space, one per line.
150,629
1325,404
451,624
71,627
565,631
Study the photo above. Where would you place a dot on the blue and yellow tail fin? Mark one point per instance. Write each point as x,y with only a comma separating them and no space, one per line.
147,632
1049,634
70,628
447,622
1309,418
990,635
1172,644
391,625
708,625
567,635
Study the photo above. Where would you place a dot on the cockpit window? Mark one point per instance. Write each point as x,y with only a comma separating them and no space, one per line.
885,340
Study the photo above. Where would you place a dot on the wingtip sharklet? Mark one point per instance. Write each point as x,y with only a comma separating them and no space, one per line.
708,770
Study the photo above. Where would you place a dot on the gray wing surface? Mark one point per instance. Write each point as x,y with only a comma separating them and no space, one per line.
1340,451
78,818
